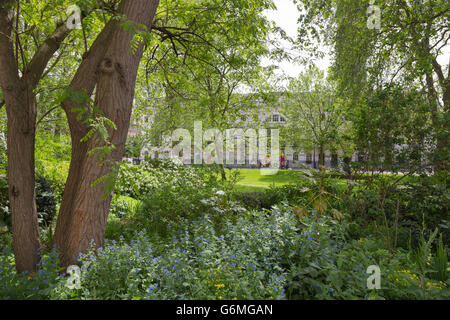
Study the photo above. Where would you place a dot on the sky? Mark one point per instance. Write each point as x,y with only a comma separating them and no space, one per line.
286,17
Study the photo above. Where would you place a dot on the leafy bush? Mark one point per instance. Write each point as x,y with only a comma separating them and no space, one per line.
122,217
426,202
53,161
45,202
134,181
34,286
133,146
170,193
121,206
260,255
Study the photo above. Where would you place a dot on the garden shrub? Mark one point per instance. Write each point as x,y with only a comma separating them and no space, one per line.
121,206
259,199
170,192
259,255
33,286
53,161
45,202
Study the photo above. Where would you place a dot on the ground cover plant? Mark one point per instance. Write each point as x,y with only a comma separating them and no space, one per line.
218,245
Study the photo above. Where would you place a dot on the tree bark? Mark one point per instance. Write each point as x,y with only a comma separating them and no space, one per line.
21,114
113,69
20,101
21,182
321,156
222,172
334,159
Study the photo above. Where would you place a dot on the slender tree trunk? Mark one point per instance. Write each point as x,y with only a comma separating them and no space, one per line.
321,156
334,159
346,164
113,68
222,172
314,159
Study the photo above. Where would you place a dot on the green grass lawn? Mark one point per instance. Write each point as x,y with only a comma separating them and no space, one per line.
252,179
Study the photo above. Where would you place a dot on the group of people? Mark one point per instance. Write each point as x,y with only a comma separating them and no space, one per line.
283,162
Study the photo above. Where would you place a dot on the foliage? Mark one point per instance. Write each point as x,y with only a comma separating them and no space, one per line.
34,286
134,146
45,202
315,115
170,193
393,131
404,51
260,255
52,161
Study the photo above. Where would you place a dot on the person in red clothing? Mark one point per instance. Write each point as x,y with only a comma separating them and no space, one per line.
283,161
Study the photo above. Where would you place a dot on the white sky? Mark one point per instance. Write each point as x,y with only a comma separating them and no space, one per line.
286,17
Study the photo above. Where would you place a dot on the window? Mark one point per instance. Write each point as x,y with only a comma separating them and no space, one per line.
277,118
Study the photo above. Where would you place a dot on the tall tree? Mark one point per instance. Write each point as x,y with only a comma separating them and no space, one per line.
97,103
202,67
18,88
111,68
315,119
405,49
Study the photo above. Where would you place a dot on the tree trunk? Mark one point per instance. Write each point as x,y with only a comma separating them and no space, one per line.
321,156
21,182
113,68
20,99
346,164
334,159
21,113
222,172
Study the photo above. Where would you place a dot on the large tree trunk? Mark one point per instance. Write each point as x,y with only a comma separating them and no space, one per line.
18,91
113,68
21,113
21,138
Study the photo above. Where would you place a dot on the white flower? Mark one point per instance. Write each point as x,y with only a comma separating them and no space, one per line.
220,193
